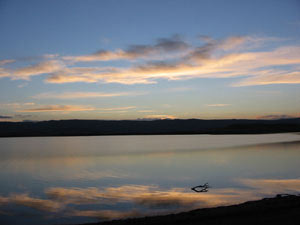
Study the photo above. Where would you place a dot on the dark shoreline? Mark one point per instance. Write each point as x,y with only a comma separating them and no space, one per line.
282,209
57,128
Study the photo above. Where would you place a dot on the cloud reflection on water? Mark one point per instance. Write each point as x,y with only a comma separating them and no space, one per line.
35,203
146,200
273,186
105,214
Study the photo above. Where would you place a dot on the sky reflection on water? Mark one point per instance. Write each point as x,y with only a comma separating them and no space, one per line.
44,181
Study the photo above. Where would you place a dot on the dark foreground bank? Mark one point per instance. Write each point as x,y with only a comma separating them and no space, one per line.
140,127
283,210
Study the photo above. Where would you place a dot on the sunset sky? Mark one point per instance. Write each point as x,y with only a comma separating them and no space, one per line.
69,59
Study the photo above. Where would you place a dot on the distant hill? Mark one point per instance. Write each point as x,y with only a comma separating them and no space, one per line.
140,127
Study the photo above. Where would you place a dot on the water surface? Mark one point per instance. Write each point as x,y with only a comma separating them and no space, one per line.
56,180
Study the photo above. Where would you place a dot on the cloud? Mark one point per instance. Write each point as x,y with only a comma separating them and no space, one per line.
77,95
161,117
162,45
146,111
235,56
69,108
29,103
206,51
276,117
45,67
81,74
217,105
22,116
251,64
4,72
55,108
16,105
50,56
117,108
233,42
6,61
271,77
5,117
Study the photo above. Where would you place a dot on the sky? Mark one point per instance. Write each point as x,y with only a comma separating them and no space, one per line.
89,59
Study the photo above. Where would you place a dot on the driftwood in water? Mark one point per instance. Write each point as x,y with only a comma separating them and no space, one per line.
201,188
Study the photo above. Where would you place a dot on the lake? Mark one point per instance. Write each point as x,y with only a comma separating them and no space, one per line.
65,180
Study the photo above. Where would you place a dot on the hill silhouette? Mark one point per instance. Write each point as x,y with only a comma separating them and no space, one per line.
140,127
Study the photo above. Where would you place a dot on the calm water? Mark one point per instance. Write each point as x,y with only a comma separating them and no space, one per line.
56,180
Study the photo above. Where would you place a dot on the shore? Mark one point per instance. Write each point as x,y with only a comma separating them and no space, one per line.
282,209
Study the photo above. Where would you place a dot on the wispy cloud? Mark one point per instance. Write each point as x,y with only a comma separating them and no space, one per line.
23,116
16,105
271,77
146,111
217,105
160,116
205,51
5,117
4,72
235,56
6,61
162,45
37,69
56,108
277,116
251,64
77,95
117,108
72,108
